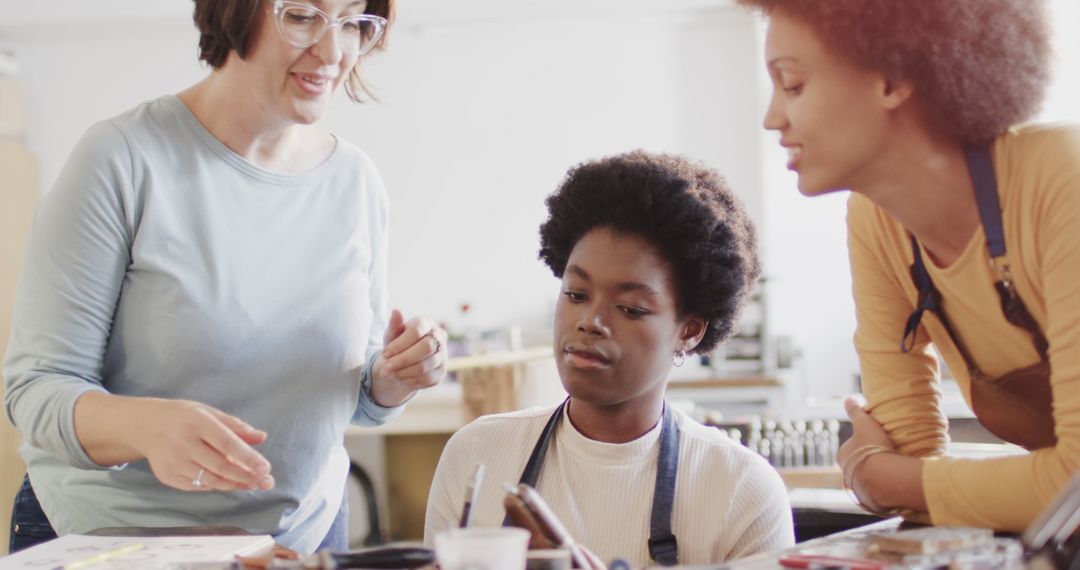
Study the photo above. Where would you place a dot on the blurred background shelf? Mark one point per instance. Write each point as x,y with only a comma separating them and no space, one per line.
18,195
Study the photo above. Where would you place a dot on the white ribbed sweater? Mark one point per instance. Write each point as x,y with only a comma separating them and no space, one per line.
729,502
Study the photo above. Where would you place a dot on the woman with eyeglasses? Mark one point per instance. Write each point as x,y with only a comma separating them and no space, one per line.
203,306
964,237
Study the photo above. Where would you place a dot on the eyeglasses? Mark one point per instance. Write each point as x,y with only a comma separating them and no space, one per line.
303,25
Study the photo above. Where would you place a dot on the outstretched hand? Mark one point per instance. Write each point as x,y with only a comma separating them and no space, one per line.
194,447
189,445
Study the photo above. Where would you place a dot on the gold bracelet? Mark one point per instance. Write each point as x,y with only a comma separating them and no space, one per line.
851,466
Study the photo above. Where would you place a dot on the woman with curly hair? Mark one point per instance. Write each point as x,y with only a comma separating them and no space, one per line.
656,257
963,237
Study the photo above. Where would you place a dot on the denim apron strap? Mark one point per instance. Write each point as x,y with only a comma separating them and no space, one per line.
980,165
981,169
663,546
531,474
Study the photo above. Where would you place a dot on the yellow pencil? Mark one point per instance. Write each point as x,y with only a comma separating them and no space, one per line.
102,557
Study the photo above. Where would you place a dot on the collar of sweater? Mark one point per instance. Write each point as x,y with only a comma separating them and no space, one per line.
642,449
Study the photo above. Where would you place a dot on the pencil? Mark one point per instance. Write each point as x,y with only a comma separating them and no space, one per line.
470,495
102,557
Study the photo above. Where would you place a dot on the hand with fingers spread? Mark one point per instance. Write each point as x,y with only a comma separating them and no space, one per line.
413,358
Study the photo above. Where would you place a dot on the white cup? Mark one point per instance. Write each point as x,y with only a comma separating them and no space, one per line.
482,548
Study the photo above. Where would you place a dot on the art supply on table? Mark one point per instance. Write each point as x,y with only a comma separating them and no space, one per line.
401,555
812,561
522,517
470,495
381,557
84,552
527,509
548,559
1052,538
920,548
999,553
96,559
931,540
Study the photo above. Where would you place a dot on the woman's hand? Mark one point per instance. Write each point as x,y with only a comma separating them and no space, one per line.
190,446
413,357
865,430
886,479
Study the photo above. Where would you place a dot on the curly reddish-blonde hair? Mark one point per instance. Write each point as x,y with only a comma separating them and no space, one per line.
977,67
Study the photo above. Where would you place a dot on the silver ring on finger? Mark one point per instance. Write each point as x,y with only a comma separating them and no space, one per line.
197,481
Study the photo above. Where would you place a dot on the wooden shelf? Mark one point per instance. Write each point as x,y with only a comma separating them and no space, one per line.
812,477
728,382
498,359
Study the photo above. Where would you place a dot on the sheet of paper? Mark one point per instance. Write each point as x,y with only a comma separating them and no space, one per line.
156,553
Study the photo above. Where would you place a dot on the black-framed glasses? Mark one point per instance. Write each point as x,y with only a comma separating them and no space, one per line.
303,25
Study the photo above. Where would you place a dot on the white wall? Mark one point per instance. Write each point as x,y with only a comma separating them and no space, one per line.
479,120
76,75
804,246
1063,100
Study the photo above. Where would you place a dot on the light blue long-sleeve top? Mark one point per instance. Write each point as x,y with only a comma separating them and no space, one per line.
163,264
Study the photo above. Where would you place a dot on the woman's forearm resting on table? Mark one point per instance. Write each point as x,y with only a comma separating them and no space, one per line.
893,480
881,478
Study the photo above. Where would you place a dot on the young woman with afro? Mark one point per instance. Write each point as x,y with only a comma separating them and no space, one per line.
656,257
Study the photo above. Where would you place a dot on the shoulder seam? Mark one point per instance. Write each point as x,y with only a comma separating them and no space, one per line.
127,195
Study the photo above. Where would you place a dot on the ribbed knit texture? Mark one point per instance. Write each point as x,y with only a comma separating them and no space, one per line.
729,502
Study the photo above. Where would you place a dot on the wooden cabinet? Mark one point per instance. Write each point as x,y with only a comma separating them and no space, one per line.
412,443
18,195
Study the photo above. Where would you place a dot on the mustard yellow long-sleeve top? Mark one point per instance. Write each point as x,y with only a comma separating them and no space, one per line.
1038,173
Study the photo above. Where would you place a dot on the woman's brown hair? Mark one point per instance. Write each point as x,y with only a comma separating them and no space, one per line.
226,25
